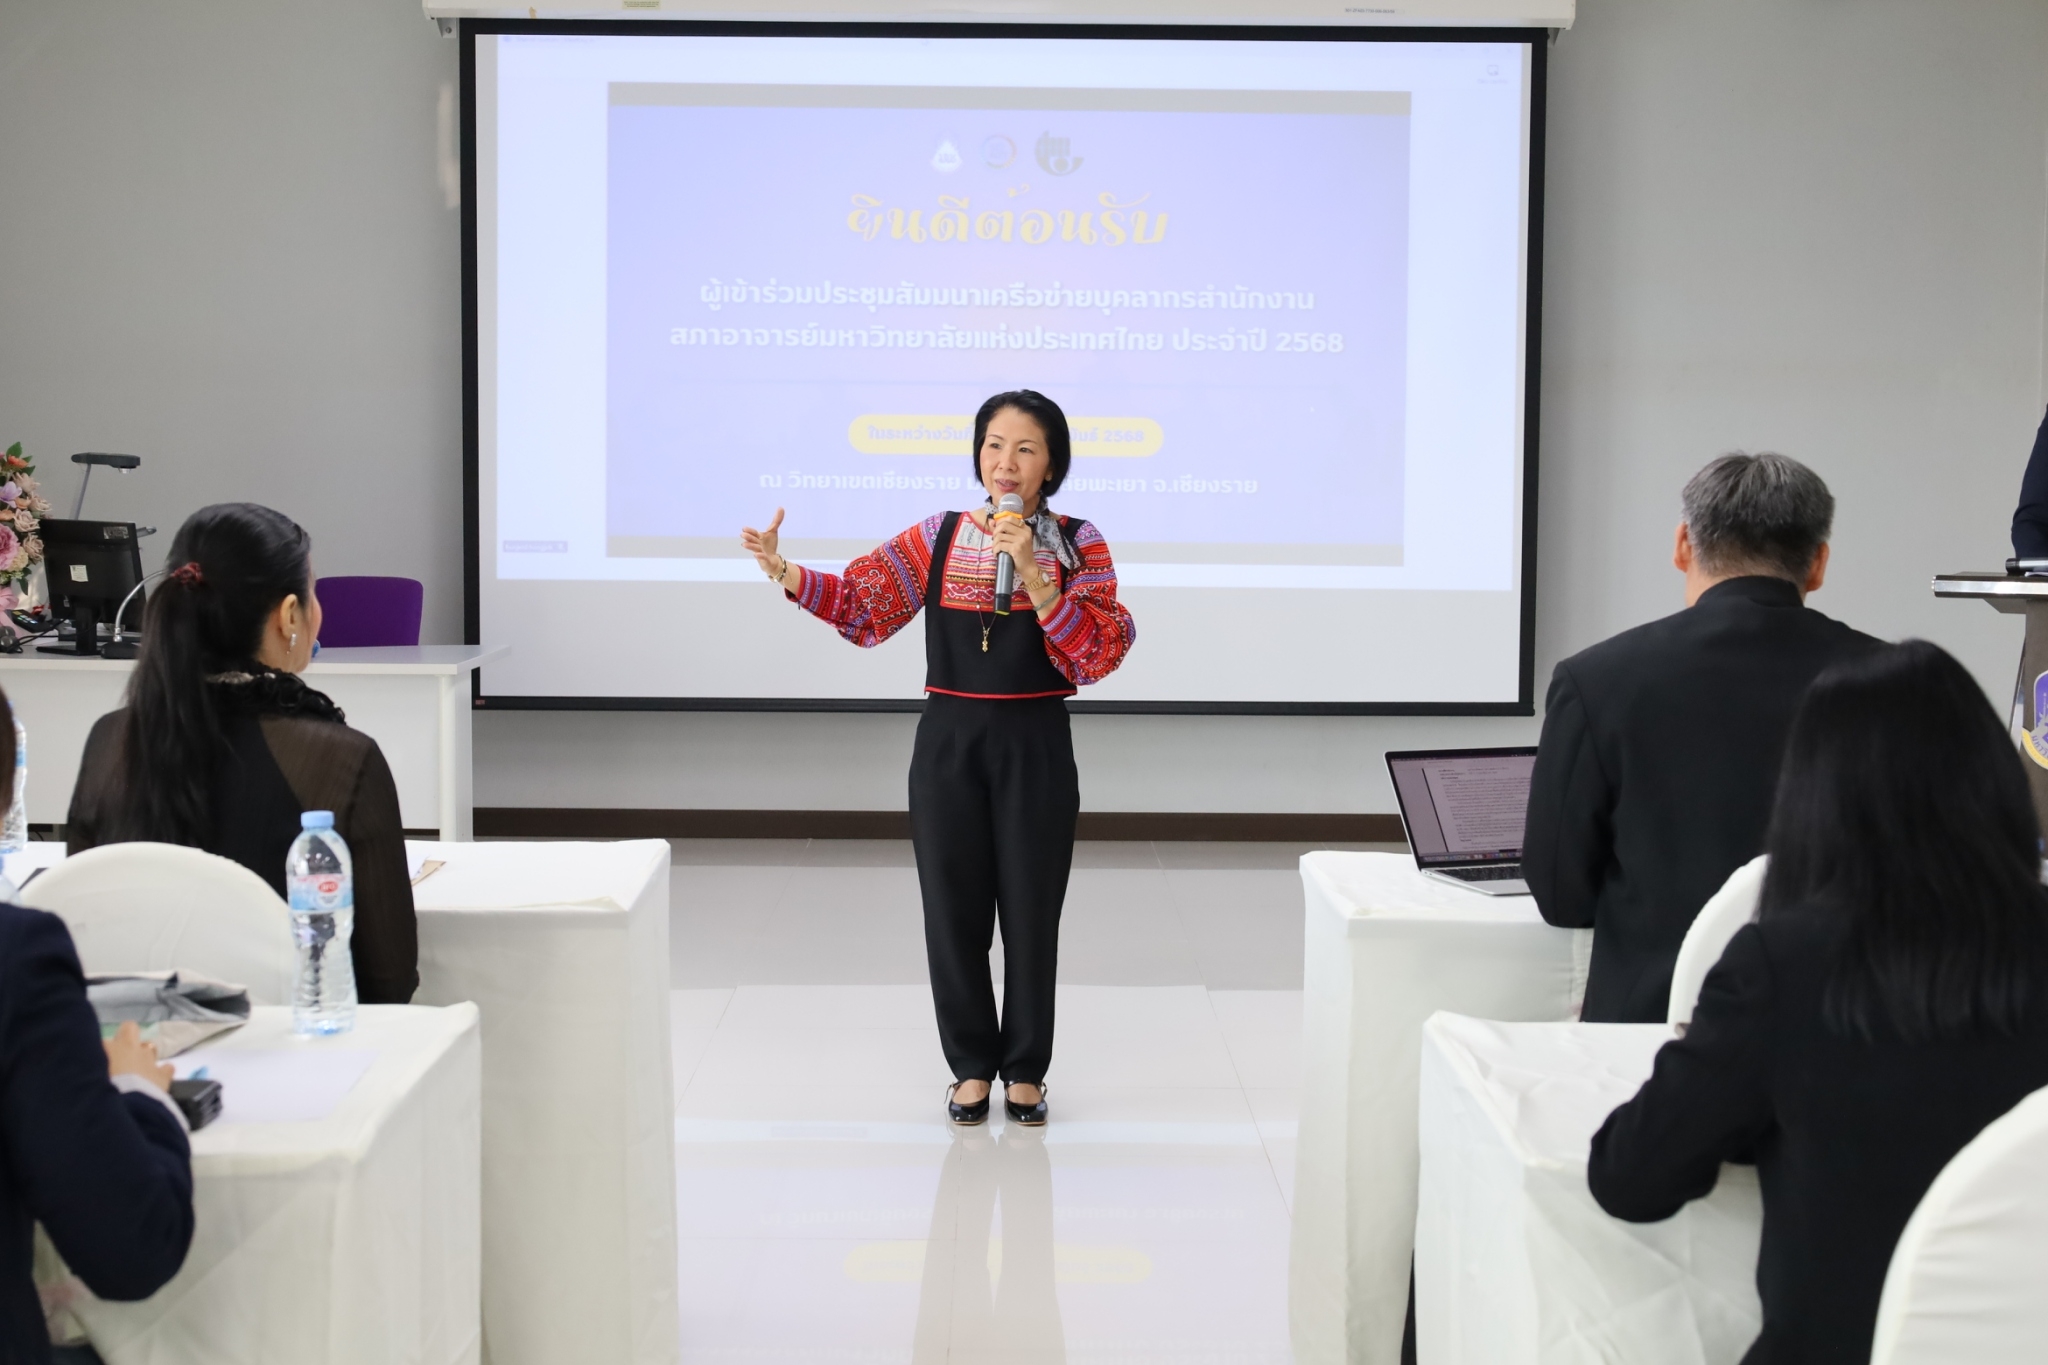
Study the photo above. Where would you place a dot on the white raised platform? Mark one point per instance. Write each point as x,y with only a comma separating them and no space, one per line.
414,701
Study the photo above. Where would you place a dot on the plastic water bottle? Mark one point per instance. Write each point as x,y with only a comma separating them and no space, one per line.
320,880
14,829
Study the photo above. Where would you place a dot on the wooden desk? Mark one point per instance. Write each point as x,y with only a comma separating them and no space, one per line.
414,701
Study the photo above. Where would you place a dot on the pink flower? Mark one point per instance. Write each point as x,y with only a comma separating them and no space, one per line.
9,543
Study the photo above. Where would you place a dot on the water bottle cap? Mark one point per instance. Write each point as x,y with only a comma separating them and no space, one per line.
317,819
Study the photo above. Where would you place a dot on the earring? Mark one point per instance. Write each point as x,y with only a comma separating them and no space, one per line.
295,641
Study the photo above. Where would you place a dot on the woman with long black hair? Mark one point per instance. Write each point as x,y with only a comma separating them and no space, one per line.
221,745
993,789
1890,1002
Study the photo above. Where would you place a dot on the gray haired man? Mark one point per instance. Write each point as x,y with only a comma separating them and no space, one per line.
1661,746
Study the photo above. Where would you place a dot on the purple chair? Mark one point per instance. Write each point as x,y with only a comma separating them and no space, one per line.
356,612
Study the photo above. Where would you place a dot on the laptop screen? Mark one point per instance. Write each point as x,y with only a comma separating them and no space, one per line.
1464,806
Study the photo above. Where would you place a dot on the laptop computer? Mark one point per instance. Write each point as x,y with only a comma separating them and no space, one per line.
1464,810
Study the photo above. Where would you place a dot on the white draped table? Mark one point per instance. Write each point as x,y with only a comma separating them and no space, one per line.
335,1202
564,947
1386,948
414,700
1514,1262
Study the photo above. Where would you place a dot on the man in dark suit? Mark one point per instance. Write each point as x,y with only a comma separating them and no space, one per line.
1661,746
2030,519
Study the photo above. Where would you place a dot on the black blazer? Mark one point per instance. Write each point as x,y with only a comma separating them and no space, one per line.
1846,1135
1655,771
109,1175
278,766
2030,521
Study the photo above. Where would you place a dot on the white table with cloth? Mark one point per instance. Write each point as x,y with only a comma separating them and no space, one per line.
564,947
1515,1263
335,1202
1386,948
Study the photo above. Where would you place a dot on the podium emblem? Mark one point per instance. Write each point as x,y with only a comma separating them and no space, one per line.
2035,741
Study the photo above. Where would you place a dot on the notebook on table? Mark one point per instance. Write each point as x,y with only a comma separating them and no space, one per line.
1464,810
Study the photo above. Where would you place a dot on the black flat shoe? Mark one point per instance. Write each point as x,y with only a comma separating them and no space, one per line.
966,1115
1028,1115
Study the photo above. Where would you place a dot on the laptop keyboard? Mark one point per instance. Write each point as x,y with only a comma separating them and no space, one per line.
1501,872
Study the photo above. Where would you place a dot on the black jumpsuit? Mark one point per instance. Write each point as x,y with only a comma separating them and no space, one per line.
993,800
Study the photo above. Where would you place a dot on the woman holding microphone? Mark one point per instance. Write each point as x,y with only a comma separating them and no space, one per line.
993,790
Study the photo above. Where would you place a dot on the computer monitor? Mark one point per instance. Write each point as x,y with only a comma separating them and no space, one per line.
91,568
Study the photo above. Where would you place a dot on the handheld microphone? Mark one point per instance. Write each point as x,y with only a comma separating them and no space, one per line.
1010,505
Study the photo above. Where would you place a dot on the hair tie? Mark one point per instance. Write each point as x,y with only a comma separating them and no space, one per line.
190,574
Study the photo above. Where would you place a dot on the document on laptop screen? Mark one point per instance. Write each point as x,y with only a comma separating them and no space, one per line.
1482,801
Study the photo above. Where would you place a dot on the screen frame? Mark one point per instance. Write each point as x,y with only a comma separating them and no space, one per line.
1429,860
1538,41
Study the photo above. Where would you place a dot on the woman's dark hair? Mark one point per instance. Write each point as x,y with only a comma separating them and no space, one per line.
229,567
1902,808
1042,410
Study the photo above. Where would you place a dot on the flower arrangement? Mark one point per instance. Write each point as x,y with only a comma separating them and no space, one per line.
22,509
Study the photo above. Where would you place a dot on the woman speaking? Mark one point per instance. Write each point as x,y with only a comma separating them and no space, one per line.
993,791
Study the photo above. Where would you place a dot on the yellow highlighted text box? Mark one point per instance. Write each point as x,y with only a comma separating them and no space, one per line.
892,433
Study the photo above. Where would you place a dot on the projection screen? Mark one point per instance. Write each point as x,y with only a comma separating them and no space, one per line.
1283,283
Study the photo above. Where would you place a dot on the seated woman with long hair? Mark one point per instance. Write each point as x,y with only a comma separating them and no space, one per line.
1891,1000
222,745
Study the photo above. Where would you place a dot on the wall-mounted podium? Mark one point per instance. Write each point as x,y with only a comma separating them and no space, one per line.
2019,595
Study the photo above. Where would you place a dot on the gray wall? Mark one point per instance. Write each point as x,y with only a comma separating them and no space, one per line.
225,245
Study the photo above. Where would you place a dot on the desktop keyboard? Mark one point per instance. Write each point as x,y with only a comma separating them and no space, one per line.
1499,872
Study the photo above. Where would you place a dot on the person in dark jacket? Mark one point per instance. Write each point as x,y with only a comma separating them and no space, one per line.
91,1146
222,746
1891,1001
2030,519
1660,746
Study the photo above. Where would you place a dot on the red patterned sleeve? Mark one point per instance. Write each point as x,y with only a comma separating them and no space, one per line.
1089,633
879,592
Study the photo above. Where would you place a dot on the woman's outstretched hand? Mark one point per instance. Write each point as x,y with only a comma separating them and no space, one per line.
762,545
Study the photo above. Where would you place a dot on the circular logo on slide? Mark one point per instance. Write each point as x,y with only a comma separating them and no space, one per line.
1056,155
947,158
998,152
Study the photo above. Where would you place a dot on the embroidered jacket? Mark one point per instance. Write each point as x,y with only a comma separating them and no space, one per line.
1086,636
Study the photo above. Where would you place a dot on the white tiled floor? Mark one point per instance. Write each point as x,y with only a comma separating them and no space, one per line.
828,1213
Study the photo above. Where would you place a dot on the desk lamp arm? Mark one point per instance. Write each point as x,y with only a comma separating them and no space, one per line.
92,459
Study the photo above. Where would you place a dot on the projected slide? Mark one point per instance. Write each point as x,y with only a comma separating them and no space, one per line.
1212,283
1280,287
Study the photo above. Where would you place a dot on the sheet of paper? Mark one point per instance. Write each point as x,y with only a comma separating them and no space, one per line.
419,867
299,1084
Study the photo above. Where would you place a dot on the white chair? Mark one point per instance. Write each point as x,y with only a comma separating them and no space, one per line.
1733,906
156,907
1969,1277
